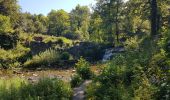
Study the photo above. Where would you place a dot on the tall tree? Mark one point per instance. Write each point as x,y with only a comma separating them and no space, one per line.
59,22
95,29
110,11
136,17
80,18
10,8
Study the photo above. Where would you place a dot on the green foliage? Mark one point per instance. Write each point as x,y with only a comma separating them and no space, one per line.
5,25
119,81
83,69
79,21
10,8
58,22
132,43
58,40
9,58
44,58
76,80
65,56
34,23
44,89
96,33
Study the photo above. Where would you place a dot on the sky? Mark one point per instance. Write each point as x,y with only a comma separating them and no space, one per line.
45,6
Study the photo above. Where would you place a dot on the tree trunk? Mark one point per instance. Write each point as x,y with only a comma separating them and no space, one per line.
154,17
117,22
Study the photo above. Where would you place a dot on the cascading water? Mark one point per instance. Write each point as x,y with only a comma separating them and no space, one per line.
108,54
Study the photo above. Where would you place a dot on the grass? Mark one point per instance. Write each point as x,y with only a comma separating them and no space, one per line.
44,58
46,38
46,88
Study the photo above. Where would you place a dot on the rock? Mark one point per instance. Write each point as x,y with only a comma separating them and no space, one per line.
88,50
73,70
30,79
35,75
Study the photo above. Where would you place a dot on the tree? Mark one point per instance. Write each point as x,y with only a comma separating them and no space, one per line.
58,22
8,38
110,11
33,23
79,19
40,23
95,29
10,8
27,23
154,17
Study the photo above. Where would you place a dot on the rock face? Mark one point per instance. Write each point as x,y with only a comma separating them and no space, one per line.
88,50
8,42
37,47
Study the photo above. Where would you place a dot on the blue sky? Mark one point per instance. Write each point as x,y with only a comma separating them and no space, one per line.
45,6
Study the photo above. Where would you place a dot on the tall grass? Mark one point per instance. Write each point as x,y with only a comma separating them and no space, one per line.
44,58
44,89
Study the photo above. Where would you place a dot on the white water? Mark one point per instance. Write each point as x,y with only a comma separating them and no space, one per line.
108,54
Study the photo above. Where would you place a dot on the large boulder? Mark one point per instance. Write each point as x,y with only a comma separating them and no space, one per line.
37,47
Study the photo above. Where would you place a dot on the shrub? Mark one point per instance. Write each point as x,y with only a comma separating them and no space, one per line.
132,43
44,58
65,56
76,80
47,89
42,90
8,58
83,69
123,79
60,42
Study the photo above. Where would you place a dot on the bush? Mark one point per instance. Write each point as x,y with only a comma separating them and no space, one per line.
42,90
44,58
60,42
10,58
83,69
123,79
76,80
65,56
47,89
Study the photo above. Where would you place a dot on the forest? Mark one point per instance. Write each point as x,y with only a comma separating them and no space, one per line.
113,50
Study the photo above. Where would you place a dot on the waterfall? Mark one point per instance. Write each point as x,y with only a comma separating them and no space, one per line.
108,54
